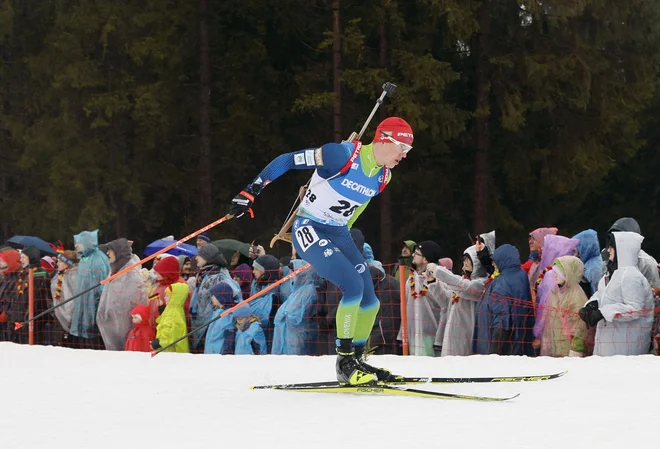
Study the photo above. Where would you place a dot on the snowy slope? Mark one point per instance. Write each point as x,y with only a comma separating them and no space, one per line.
66,399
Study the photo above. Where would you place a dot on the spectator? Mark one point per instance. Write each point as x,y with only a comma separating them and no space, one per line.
184,267
166,273
92,269
589,254
426,300
564,333
360,242
46,331
295,331
48,263
151,278
13,297
242,274
405,259
140,337
536,241
172,322
622,307
62,286
388,321
221,334
645,263
266,270
504,316
250,337
555,246
212,270
447,263
203,239
467,291
120,296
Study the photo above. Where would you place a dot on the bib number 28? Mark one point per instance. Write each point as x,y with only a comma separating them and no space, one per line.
306,237
344,208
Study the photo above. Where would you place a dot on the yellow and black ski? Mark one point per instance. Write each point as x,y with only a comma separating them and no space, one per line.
402,380
383,389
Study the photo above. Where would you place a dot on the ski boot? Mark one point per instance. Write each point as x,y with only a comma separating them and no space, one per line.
349,370
382,374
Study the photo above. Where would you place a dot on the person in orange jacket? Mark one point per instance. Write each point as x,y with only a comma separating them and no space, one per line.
139,338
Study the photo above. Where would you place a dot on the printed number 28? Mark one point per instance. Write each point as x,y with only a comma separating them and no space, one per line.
344,208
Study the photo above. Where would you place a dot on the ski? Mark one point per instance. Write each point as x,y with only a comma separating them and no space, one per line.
402,380
390,390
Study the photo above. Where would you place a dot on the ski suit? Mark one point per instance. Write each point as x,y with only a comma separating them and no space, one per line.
345,179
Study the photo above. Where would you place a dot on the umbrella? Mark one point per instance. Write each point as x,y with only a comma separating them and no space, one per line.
182,249
233,246
21,241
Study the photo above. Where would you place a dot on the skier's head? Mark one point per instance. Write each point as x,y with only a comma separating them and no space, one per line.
392,141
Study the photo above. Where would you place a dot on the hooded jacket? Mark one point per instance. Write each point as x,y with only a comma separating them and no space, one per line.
119,297
93,268
564,330
172,323
646,264
555,246
504,316
466,292
626,302
589,254
13,298
221,334
140,337
296,332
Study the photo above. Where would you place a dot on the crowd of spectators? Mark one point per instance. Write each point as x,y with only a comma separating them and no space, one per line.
569,298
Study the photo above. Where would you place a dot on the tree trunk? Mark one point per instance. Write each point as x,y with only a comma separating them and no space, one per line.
336,69
386,246
482,141
204,171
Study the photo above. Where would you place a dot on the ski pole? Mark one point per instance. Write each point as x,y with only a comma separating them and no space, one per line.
230,310
17,325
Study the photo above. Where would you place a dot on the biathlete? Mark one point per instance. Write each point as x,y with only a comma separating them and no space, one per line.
347,175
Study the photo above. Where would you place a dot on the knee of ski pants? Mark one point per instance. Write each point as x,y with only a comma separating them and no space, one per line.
352,288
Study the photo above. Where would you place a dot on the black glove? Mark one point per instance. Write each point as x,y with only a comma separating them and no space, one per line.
255,347
244,200
590,314
155,344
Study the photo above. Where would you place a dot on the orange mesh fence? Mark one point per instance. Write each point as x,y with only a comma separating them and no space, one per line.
298,317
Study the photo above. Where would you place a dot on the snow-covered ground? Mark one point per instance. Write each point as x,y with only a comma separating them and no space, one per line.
58,398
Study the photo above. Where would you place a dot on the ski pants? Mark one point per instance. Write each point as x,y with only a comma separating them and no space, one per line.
333,254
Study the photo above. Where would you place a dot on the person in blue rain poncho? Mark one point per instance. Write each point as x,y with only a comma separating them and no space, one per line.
504,316
212,266
93,268
266,270
250,337
221,334
296,332
589,253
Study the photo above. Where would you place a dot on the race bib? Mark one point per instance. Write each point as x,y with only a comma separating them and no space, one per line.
306,237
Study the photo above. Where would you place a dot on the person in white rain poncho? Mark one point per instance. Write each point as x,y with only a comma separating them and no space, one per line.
467,290
120,296
427,301
622,308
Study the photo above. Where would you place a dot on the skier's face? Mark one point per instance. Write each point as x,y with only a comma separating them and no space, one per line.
389,153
